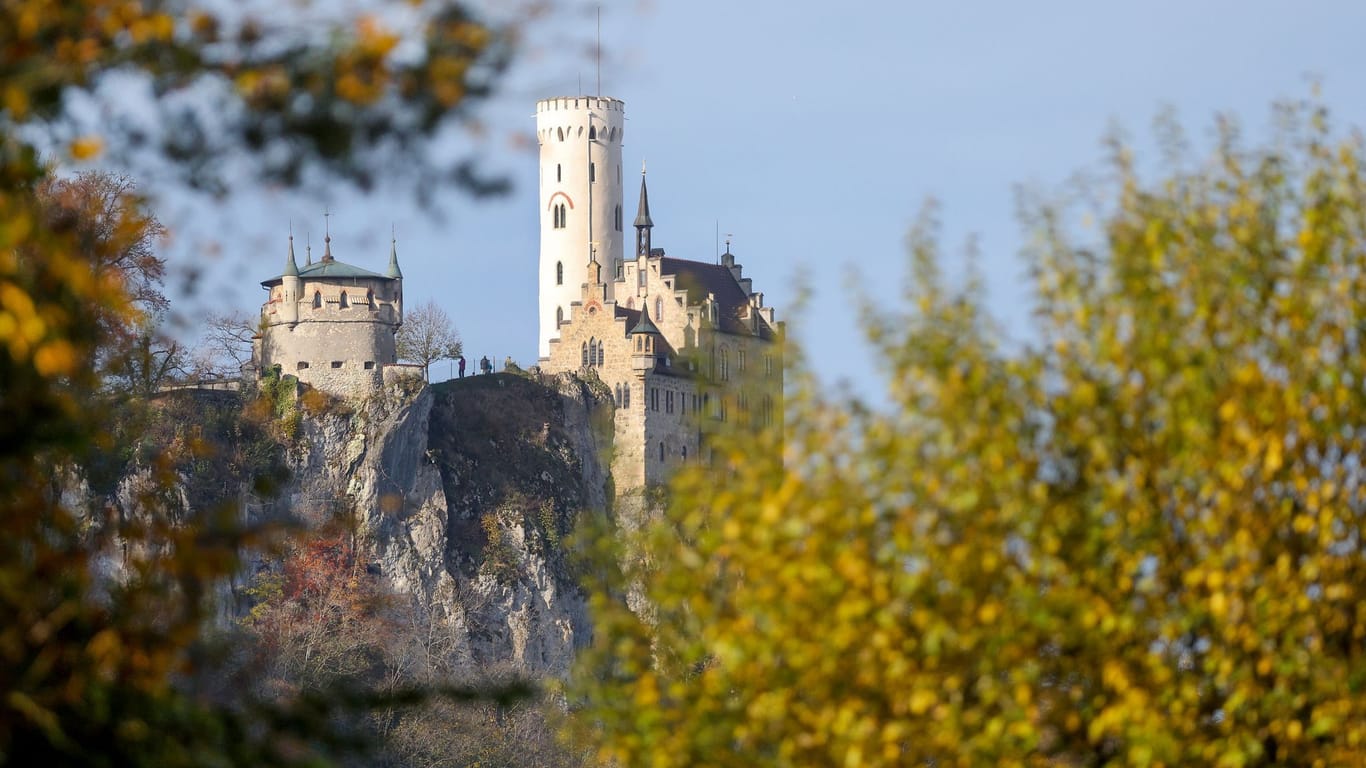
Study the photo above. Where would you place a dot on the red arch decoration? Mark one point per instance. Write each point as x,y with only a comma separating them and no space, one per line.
551,202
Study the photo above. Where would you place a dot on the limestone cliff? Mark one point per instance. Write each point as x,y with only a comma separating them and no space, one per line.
460,494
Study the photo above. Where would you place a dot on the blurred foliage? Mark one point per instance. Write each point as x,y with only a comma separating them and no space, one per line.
1136,540
104,647
275,90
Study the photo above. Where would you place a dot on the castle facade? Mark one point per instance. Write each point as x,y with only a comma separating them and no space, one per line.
687,347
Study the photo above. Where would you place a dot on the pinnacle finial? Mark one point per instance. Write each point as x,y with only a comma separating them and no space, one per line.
327,237
308,248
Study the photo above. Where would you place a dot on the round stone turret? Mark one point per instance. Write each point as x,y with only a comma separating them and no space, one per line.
580,199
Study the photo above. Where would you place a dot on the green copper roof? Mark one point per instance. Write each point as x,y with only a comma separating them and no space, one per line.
645,326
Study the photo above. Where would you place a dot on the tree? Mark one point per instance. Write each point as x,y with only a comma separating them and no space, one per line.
428,335
226,345
1136,541
101,671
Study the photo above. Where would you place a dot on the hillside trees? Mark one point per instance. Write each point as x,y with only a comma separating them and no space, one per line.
427,336
1136,541
94,671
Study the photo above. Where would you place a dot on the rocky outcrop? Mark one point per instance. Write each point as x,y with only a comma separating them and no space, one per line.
463,496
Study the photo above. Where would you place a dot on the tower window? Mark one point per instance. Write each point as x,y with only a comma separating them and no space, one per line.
583,355
561,130
336,363
317,300
559,173
559,316
560,214
592,172
344,302
661,451
559,273
640,278
617,217
592,132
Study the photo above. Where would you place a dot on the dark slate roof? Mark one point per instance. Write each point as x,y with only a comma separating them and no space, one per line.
699,279
331,268
631,316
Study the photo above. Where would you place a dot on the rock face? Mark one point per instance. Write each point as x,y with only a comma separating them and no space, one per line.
463,495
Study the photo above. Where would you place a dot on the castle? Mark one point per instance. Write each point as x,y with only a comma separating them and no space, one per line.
331,324
686,347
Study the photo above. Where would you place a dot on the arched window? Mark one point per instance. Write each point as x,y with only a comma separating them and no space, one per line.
559,273
583,355
561,130
592,132
344,302
723,365
369,298
616,395
625,395
317,300
600,354
592,352
659,307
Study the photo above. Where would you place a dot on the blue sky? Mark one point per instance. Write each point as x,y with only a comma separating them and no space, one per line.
813,132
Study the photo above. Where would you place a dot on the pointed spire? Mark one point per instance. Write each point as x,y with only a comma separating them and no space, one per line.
643,221
645,326
643,209
291,266
308,250
393,270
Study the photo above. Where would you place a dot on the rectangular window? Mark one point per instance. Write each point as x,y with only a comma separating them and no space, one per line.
592,172
336,363
654,398
302,365
669,402
369,365
742,361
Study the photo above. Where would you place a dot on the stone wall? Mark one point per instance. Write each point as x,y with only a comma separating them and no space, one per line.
338,347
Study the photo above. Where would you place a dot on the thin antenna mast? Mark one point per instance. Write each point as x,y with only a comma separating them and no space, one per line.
597,49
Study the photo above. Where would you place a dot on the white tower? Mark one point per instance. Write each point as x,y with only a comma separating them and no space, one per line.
580,200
